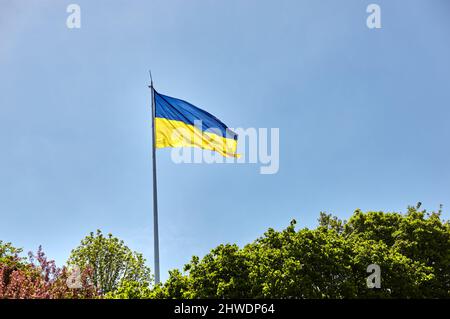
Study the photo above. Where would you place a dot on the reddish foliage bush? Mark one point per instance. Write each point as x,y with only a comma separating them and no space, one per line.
39,278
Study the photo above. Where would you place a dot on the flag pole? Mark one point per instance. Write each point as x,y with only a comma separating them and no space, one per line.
155,191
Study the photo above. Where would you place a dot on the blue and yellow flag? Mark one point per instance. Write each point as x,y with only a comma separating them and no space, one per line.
181,124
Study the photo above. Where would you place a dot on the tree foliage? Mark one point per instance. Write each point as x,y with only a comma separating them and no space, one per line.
111,262
412,250
330,261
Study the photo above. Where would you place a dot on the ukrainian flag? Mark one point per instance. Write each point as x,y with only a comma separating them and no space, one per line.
181,124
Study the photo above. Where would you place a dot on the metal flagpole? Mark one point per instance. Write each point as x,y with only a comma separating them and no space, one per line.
155,191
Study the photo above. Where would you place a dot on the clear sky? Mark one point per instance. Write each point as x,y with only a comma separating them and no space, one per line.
363,117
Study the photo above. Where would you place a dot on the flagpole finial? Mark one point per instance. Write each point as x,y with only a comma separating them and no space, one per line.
151,78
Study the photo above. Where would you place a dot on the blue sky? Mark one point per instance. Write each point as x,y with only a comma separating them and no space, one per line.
363,117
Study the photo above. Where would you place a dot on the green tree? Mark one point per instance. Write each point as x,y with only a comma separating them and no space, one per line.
131,289
112,264
412,250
